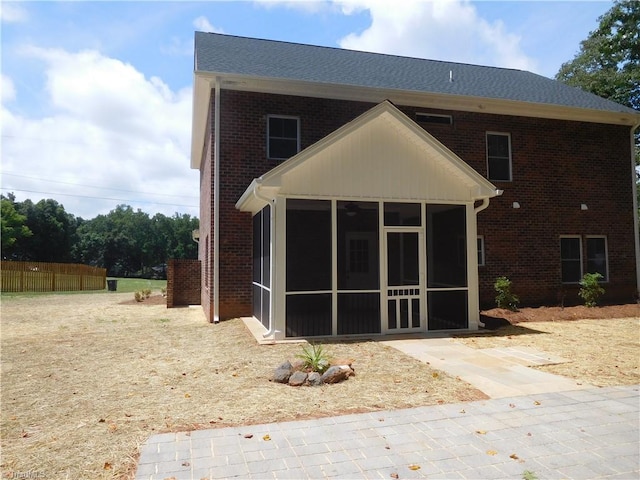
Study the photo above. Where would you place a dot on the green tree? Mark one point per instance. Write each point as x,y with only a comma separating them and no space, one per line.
53,232
608,62
13,225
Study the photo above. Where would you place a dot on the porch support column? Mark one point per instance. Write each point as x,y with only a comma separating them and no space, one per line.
279,268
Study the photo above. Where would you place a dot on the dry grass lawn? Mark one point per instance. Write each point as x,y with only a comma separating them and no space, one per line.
86,379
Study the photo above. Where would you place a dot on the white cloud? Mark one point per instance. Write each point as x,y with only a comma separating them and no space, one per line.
7,90
306,6
448,30
107,126
202,24
12,13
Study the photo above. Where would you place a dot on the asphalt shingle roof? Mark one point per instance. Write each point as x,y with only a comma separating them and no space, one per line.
269,59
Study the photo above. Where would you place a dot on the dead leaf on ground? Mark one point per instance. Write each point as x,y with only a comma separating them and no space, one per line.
107,466
481,432
413,466
394,475
266,438
248,435
491,452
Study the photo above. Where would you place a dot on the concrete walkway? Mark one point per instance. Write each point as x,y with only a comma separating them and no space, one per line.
498,372
576,434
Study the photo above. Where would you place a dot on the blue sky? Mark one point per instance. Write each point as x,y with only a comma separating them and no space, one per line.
96,96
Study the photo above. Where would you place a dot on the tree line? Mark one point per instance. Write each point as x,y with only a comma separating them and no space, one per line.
125,241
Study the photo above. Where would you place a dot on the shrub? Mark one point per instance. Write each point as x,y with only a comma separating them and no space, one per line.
314,358
146,292
138,296
590,289
505,298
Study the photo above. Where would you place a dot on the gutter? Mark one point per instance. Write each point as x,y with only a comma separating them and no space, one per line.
272,242
485,202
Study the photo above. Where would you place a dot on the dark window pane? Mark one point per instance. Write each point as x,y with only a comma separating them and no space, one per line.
257,302
499,169
308,245
570,256
597,256
498,157
282,148
308,315
498,145
283,137
358,313
446,246
358,250
447,310
402,214
402,259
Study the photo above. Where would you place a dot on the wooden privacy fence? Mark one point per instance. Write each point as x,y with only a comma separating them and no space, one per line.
50,277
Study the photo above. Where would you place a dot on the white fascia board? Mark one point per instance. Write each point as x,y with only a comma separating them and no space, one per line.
425,100
202,86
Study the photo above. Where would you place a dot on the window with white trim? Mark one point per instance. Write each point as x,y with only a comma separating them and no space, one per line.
597,261
434,118
499,156
571,258
480,248
283,137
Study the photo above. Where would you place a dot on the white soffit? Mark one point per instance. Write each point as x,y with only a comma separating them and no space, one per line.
381,154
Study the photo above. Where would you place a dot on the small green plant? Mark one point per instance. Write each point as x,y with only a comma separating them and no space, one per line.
314,358
138,296
590,289
529,475
163,290
505,298
146,292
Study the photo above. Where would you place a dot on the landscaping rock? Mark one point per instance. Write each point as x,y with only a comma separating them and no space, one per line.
297,365
337,374
283,372
297,378
314,379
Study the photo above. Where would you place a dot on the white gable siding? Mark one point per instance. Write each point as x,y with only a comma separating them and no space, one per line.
379,160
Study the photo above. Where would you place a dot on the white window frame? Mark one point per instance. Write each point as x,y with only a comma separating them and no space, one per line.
285,117
481,252
499,134
606,255
579,237
424,117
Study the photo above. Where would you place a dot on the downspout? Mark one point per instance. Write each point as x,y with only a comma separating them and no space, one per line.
636,235
216,205
485,202
272,241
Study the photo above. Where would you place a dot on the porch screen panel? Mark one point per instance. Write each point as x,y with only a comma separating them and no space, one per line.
358,246
358,313
446,246
308,315
447,310
262,265
308,262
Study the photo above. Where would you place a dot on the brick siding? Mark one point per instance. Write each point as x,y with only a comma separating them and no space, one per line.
557,166
183,282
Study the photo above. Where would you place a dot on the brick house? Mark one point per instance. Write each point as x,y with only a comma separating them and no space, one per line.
347,193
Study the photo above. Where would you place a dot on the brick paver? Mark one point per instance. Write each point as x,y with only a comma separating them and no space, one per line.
581,434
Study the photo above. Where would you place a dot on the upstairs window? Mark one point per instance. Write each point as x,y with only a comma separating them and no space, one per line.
434,118
499,156
283,137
